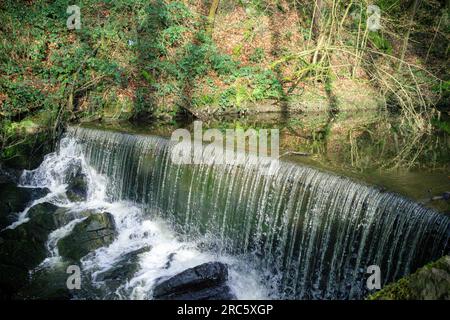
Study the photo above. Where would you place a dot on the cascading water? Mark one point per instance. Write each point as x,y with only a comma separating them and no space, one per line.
168,256
311,233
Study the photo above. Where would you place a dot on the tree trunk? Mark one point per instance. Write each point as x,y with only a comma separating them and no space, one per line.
212,16
405,43
317,19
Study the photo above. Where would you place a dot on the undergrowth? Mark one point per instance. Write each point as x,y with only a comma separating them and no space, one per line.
145,59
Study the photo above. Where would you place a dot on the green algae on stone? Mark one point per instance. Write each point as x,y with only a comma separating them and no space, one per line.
96,231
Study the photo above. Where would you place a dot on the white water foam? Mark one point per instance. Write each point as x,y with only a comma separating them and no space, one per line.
168,255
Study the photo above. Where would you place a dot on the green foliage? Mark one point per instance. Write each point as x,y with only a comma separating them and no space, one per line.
250,85
222,63
441,125
21,97
144,105
205,100
160,47
173,35
443,89
380,42
193,61
258,55
179,58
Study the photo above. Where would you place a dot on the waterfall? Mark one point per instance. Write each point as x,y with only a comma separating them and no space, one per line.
314,232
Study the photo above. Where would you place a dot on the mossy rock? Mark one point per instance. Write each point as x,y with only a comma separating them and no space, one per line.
431,282
28,154
122,270
46,216
51,217
35,135
96,231
15,199
77,185
24,247
48,284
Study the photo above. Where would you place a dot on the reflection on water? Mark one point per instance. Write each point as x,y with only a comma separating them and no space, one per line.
366,146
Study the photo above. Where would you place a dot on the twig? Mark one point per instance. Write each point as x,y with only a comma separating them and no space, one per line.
295,153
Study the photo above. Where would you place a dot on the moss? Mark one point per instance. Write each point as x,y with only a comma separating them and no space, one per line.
48,284
25,142
399,290
97,230
431,282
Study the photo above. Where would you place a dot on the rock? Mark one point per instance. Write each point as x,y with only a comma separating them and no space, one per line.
12,278
35,144
77,184
51,217
48,284
24,247
9,175
96,231
21,249
204,282
44,215
170,259
431,282
15,199
30,238
123,270
222,292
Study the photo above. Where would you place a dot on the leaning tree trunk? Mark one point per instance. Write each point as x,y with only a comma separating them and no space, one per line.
316,28
212,16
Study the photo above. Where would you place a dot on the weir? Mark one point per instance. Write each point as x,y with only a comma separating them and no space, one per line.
315,232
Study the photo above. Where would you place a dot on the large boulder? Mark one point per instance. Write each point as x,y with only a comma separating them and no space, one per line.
122,270
77,184
96,231
21,249
207,281
47,216
433,281
24,247
15,199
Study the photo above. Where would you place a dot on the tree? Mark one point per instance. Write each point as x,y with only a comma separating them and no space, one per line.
212,16
405,42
